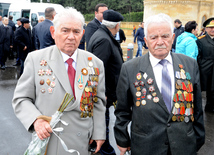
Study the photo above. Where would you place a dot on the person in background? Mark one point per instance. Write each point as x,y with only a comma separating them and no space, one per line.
11,23
203,32
186,42
82,41
1,20
6,42
120,36
41,19
140,39
134,30
95,23
105,47
42,35
178,30
68,70
206,63
164,108
23,41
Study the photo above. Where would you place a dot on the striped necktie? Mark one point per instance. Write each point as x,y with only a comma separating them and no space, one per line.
166,88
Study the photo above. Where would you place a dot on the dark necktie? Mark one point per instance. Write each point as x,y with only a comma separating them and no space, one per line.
166,87
71,74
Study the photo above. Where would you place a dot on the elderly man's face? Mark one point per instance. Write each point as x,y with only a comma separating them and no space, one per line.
5,21
210,31
68,35
159,39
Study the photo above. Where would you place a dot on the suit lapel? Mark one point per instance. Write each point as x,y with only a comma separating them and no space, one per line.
146,67
58,67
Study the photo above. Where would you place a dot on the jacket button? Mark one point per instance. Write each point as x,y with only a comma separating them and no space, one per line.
79,134
168,125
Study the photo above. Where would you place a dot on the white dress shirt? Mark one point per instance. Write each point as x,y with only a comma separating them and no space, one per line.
65,57
157,69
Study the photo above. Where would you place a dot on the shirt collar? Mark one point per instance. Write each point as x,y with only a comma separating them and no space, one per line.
66,57
154,61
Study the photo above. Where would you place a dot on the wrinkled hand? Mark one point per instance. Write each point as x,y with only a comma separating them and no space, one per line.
123,150
42,128
99,144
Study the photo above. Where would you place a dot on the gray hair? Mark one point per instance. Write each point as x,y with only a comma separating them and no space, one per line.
68,13
158,19
109,24
4,18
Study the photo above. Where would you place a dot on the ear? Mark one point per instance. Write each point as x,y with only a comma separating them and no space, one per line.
173,37
52,30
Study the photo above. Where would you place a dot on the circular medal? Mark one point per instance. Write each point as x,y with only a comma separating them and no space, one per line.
188,105
154,94
139,76
90,64
80,86
95,99
41,72
138,93
182,118
43,90
142,83
136,84
87,89
43,63
138,103
186,119
174,118
180,66
144,91
156,99
48,72
149,97
84,71
143,102
151,88
52,84
50,90
177,105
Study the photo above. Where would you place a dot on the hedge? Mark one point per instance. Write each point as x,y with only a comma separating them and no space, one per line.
128,17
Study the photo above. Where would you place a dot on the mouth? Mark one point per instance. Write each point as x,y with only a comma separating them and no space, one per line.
160,47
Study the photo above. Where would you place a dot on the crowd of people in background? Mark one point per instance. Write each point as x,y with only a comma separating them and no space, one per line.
126,84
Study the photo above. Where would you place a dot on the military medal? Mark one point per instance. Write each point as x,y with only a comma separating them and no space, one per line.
138,88
177,75
87,89
80,80
90,63
53,77
84,71
186,119
150,81
52,84
145,76
43,62
154,94
142,83
50,90
95,99
136,84
149,97
48,72
139,76
143,102
48,82
42,82
138,103
182,108
182,118
188,77
138,93
156,99
174,118
41,72
151,88
43,90
177,105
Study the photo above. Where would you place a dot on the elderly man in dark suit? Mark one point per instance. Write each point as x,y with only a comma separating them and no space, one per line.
6,41
42,35
104,46
23,41
206,63
160,93
96,22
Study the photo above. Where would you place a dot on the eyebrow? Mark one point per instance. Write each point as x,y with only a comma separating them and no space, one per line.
155,35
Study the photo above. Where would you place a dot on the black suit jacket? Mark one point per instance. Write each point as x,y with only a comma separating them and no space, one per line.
6,39
104,46
152,130
206,62
42,34
92,27
23,38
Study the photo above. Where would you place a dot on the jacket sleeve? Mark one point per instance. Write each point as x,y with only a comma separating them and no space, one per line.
198,124
18,39
123,110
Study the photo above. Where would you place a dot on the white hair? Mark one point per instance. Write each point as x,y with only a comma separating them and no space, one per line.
5,18
158,19
68,13
109,24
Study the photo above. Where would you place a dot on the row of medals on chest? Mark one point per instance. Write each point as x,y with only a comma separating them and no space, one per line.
90,90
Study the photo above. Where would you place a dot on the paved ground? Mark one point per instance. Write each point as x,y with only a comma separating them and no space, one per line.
14,138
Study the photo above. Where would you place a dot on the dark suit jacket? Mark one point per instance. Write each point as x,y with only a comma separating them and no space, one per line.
11,23
152,130
23,38
42,35
104,46
206,62
122,36
90,29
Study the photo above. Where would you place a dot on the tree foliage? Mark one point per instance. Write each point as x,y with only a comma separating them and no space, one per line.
87,6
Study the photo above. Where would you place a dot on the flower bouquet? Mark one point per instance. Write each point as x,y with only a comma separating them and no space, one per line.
38,146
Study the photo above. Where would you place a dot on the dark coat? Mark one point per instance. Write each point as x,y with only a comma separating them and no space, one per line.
11,23
177,32
6,39
152,130
90,29
42,34
23,38
104,46
122,36
206,62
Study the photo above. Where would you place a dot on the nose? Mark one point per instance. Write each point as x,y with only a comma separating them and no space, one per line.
71,35
159,41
